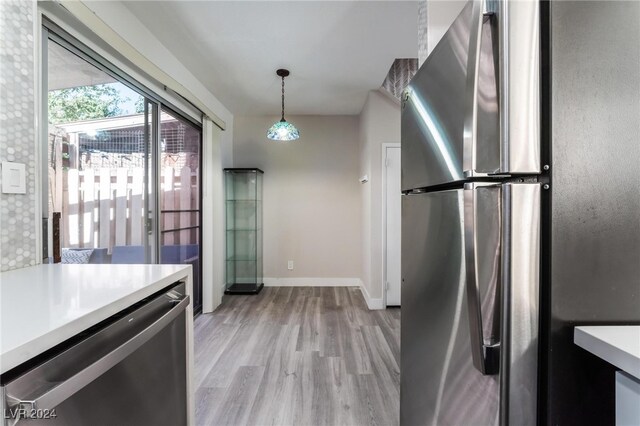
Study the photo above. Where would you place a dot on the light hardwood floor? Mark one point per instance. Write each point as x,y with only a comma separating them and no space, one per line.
298,356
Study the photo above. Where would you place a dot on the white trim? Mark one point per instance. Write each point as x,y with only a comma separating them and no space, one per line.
372,304
41,136
384,218
312,282
212,217
208,291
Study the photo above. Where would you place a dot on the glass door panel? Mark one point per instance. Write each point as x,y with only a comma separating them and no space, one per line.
98,157
179,162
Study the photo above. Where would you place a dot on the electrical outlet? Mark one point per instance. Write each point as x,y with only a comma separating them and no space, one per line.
290,265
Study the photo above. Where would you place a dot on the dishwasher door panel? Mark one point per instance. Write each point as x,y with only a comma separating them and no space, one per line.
148,388
131,370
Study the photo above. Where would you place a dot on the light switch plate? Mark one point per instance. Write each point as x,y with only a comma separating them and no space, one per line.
14,178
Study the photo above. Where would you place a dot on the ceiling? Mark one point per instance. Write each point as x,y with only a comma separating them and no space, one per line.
66,70
336,50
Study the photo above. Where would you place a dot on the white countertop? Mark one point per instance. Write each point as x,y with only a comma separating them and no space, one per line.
42,306
617,344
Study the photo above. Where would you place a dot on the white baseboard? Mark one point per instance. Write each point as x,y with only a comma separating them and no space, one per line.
372,304
311,282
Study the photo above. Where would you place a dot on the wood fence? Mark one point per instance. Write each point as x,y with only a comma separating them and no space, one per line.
106,207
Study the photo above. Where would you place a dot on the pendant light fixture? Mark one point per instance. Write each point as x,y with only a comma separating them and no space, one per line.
283,130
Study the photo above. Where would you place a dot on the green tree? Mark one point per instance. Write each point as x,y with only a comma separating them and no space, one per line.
139,105
84,103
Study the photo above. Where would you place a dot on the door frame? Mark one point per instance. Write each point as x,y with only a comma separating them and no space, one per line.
383,164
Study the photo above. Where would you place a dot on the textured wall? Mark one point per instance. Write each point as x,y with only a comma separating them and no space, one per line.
423,46
400,74
18,138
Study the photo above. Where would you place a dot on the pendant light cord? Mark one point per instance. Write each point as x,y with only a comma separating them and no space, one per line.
282,119
281,130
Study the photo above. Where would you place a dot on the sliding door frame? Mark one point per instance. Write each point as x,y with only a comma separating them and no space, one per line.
158,230
52,31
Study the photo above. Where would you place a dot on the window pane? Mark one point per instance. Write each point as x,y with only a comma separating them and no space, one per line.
97,158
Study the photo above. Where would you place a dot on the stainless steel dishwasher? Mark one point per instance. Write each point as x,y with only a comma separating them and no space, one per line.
128,370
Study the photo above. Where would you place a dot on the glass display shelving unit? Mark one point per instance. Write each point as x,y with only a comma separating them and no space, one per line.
243,189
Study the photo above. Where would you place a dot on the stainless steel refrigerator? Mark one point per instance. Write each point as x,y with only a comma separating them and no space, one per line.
516,138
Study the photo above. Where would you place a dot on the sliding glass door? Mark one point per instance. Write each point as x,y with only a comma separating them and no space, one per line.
124,170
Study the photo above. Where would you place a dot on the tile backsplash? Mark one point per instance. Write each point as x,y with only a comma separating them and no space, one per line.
18,131
400,74
423,46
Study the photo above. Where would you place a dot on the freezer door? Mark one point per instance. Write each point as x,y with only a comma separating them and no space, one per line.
470,260
472,110
432,118
439,383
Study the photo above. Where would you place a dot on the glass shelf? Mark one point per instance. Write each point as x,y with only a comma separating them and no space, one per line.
242,259
243,189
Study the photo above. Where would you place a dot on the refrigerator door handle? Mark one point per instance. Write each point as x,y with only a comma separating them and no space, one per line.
521,203
519,86
513,29
485,356
470,134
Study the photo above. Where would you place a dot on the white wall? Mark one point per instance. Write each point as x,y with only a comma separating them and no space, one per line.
379,123
312,208
440,16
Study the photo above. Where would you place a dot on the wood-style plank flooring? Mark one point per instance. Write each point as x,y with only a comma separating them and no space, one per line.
298,356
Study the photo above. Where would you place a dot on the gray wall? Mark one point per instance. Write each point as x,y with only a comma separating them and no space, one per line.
379,123
18,223
595,196
312,208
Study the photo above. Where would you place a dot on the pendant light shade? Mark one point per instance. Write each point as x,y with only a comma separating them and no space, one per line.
283,130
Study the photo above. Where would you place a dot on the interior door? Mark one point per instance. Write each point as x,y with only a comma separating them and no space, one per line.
393,228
